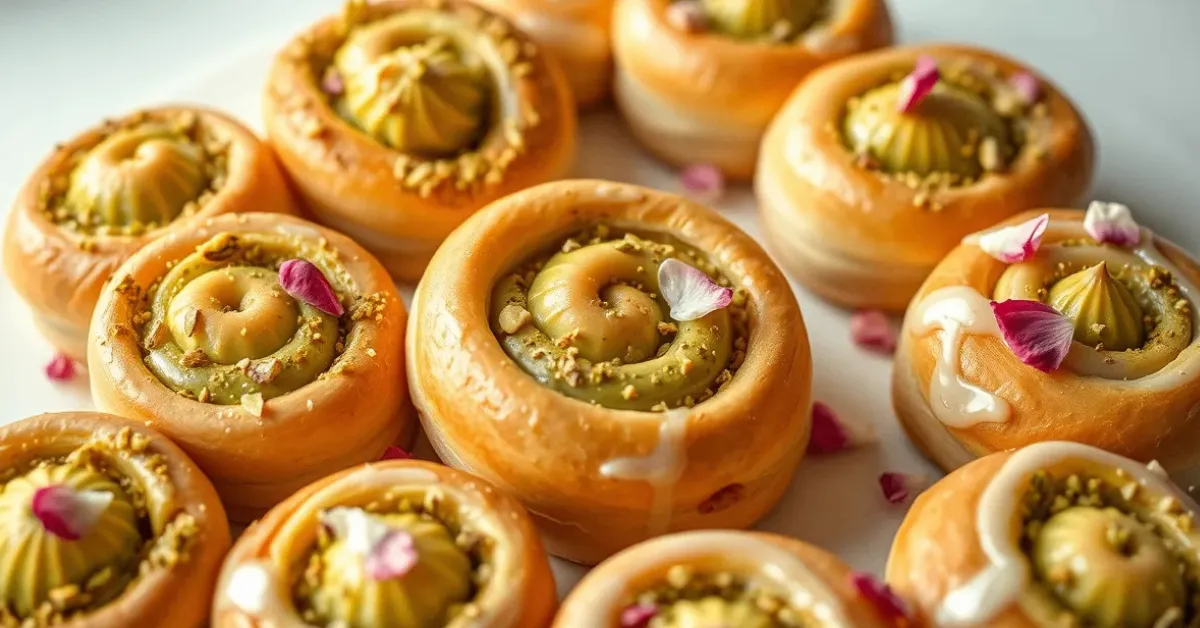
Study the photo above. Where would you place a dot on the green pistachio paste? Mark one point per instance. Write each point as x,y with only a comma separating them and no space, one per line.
589,322
1104,311
773,20
688,598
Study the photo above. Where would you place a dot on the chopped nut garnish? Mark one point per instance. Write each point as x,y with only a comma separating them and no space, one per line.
253,403
513,317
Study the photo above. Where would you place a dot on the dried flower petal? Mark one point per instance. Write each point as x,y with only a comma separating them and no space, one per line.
332,83
830,434
1027,86
304,281
1036,333
872,330
702,181
1016,243
899,487
387,553
880,595
638,615
67,513
392,557
687,16
395,453
1111,223
917,85
690,293
60,368
253,403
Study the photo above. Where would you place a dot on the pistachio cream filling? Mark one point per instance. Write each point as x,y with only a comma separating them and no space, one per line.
448,565
1104,311
56,565
144,173
425,97
1107,553
691,599
589,321
777,20
219,326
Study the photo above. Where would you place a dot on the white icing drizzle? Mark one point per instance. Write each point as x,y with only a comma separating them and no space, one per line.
1000,584
956,311
661,468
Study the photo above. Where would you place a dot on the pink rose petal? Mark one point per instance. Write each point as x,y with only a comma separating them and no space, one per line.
899,487
638,615
1016,243
67,513
60,368
702,181
917,85
880,595
686,16
305,282
1036,333
872,330
392,557
332,83
395,453
1111,223
690,293
830,434
1027,86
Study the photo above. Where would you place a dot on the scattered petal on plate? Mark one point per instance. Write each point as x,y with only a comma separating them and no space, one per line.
60,368
830,434
872,330
686,16
67,513
899,487
1016,243
1027,86
1036,333
917,85
392,557
638,615
304,281
702,181
395,453
1111,223
690,293
880,595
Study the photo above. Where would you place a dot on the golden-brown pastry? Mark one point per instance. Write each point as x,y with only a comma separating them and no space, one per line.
698,80
866,180
720,578
1079,340
550,353
401,543
270,349
1055,534
576,32
106,524
400,118
106,193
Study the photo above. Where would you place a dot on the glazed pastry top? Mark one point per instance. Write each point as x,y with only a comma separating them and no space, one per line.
764,20
141,173
589,320
80,528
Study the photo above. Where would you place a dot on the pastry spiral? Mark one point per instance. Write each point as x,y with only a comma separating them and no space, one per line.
468,554
112,189
149,549
1053,533
203,338
554,367
398,119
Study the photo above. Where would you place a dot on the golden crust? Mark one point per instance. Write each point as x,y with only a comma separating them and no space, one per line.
356,410
521,582
348,179
576,33
178,596
598,599
60,273
728,90
1057,406
861,240
483,413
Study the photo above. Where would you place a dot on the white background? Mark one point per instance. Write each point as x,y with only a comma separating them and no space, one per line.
1132,67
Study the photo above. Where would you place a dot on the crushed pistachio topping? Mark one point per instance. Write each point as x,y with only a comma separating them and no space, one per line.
437,83
141,174
687,597
453,564
969,126
779,21
219,328
1104,311
587,319
52,580
1107,552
